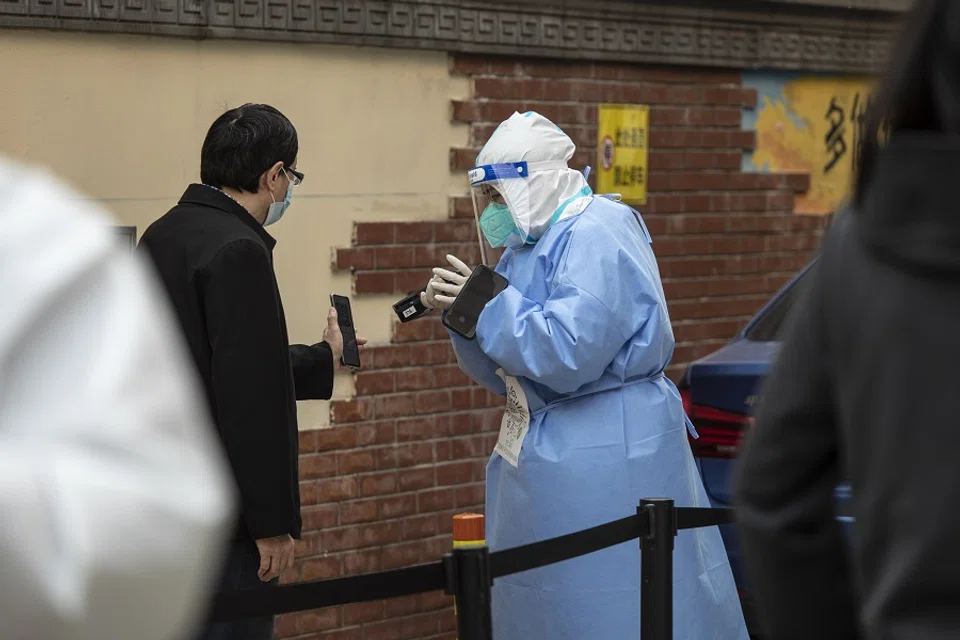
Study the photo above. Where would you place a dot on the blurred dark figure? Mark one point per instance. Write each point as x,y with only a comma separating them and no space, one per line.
864,386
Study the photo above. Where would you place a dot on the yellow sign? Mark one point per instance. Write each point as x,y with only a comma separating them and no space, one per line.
623,135
811,124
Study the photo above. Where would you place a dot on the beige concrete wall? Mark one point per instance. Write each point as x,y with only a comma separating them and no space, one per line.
123,118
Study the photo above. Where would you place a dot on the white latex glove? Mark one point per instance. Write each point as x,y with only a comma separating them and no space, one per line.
445,285
430,299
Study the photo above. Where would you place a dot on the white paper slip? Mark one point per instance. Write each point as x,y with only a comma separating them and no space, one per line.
516,421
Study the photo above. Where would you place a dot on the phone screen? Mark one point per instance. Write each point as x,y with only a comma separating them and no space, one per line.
351,352
482,287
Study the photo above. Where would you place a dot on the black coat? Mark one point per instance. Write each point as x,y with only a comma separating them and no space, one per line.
216,262
863,389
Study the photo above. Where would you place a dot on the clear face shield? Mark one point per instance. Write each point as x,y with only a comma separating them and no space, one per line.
484,196
503,208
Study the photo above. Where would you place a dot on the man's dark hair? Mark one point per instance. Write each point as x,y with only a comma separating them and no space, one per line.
243,143
920,90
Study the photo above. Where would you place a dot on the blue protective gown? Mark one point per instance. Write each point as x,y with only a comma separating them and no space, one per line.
584,328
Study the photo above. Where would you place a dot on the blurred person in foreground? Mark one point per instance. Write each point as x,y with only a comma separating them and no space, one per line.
215,257
115,499
864,385
578,342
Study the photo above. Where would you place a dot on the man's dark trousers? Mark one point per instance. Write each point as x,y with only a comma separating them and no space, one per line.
240,573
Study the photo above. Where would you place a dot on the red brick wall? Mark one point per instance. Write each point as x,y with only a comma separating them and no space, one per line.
381,486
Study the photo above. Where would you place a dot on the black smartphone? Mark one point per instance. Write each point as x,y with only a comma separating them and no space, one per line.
483,285
351,351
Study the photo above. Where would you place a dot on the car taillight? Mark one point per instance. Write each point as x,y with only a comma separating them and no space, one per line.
687,398
720,431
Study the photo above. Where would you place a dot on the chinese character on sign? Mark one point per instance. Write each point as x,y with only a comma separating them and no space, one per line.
836,145
632,138
858,116
628,176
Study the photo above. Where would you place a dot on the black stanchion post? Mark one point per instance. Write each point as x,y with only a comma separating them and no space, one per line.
656,568
469,579
472,580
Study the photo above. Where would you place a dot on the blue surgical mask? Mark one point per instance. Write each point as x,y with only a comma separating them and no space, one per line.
277,209
497,224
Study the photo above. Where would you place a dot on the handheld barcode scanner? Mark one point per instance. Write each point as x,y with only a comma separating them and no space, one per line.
411,307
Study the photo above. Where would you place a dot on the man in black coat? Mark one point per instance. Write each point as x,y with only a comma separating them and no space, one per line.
216,261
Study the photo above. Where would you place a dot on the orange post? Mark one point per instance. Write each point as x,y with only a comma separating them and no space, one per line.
468,530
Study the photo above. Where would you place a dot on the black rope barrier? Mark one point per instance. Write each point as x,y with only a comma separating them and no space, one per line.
572,545
253,603
697,517
468,573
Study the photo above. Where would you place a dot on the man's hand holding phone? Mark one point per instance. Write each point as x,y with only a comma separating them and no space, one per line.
333,336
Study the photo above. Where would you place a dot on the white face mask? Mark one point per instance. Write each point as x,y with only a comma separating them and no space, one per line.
277,209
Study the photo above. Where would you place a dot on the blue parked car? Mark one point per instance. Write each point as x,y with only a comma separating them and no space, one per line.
719,394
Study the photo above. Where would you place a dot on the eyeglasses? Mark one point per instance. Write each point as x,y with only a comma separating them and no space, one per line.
297,176
492,194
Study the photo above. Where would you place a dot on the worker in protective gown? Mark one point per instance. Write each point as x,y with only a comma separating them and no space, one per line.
116,500
578,342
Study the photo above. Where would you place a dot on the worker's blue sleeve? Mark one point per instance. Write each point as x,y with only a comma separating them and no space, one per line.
564,344
571,338
475,363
